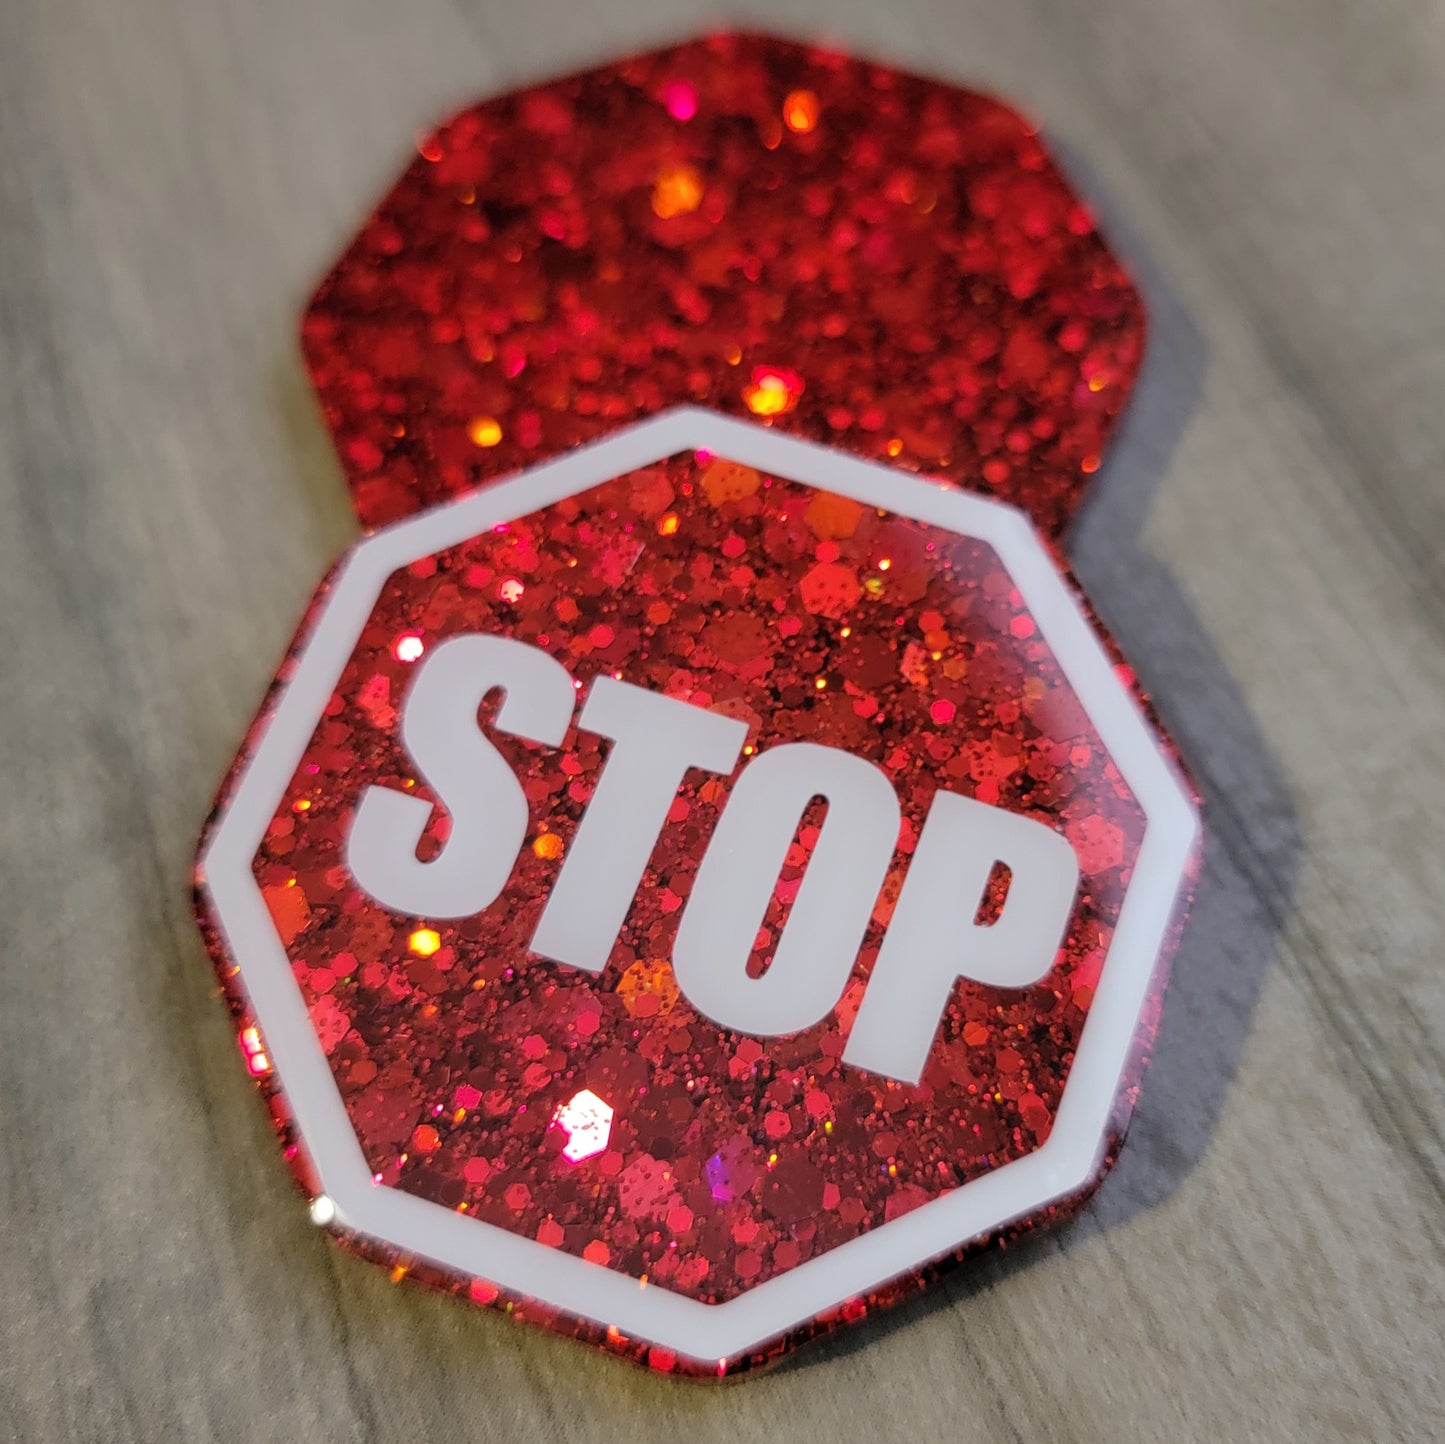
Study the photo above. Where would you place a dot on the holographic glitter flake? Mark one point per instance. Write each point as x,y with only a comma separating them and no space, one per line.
811,249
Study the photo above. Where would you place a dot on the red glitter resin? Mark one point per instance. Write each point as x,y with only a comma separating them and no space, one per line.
864,258
837,252
730,1158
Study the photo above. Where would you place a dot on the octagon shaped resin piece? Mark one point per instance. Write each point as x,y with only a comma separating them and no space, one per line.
870,259
691,1137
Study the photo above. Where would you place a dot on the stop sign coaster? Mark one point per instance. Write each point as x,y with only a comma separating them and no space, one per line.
701,870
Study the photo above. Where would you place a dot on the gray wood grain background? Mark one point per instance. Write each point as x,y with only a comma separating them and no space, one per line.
1267,541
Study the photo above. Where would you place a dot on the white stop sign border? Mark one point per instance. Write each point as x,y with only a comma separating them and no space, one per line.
702,1333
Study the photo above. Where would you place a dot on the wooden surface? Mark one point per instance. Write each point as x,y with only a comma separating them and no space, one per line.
1266,1262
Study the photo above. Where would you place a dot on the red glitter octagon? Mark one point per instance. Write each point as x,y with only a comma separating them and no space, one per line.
585,1134
863,258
